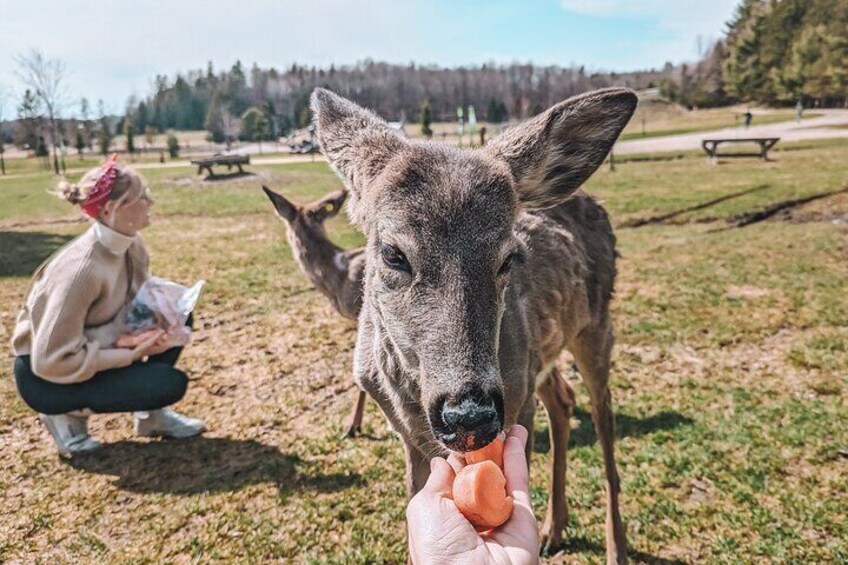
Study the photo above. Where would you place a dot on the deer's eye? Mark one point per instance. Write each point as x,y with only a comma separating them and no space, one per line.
511,260
394,258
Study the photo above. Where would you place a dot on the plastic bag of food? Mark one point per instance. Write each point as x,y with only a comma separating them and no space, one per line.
160,304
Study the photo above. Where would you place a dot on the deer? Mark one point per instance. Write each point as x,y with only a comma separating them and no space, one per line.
336,272
481,266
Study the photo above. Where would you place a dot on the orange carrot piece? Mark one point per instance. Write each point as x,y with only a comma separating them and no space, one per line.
492,452
479,492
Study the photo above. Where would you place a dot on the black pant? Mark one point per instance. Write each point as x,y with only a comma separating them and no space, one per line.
139,387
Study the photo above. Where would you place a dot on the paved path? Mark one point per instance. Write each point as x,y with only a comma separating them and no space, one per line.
832,124
822,127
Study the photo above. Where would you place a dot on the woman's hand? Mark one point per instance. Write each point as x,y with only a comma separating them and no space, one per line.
439,533
166,342
174,337
146,347
130,341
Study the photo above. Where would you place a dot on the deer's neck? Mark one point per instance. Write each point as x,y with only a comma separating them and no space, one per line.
324,263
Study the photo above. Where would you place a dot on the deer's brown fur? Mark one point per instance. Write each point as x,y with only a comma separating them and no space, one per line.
336,272
481,267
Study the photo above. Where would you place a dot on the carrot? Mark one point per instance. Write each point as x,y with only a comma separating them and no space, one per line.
479,492
492,452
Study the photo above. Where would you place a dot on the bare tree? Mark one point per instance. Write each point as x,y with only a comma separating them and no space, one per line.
46,78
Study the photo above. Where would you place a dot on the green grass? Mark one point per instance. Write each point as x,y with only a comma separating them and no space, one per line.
729,385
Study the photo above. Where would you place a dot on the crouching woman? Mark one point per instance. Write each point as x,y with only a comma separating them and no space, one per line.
67,363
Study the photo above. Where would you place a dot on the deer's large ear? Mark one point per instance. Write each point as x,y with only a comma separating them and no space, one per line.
286,209
554,153
357,143
328,206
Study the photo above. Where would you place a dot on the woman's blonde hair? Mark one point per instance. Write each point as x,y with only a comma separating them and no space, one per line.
77,193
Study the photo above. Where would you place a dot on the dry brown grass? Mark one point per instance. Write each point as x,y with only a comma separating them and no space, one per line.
729,388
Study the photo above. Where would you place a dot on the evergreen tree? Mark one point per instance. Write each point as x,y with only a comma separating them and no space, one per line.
140,117
80,143
256,126
129,131
104,137
173,146
494,113
29,121
305,116
234,90
426,120
41,147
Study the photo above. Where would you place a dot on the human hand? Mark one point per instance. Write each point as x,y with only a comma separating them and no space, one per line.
145,347
439,533
163,344
130,341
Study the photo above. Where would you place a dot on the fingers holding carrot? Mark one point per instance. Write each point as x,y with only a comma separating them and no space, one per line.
480,490
515,465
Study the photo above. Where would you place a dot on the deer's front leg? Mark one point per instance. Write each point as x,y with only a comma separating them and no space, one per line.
354,426
592,355
558,399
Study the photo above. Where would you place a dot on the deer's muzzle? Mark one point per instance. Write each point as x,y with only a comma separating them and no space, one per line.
468,423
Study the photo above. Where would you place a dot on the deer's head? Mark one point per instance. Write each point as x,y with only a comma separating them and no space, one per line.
442,251
310,217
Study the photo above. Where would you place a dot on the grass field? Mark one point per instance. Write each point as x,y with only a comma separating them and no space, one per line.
729,385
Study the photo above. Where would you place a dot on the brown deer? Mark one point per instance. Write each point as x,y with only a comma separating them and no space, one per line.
482,266
337,273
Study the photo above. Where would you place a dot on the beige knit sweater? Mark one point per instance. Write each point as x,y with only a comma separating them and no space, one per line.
72,315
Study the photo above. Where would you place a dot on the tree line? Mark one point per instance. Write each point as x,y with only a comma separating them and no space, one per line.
775,52
219,101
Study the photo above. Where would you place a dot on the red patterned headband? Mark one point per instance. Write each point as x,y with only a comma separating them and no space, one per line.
99,195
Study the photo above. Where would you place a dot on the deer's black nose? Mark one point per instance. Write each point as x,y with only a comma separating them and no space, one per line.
470,422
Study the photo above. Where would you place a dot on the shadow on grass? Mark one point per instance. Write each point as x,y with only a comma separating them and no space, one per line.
217,177
582,544
22,252
625,426
201,464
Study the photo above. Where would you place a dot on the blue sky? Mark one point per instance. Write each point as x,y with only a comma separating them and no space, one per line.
114,49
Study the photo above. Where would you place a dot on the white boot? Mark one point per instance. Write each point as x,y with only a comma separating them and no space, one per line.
70,432
166,423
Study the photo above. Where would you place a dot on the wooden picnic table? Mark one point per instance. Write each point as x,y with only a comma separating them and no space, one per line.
229,161
765,143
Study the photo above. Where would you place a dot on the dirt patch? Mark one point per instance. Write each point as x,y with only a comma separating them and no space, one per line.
786,206
767,361
182,181
745,291
833,209
829,206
